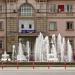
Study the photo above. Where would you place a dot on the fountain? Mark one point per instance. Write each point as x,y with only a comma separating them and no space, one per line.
69,52
13,52
20,56
46,49
57,54
38,48
5,57
52,56
42,51
59,44
54,40
63,48
28,50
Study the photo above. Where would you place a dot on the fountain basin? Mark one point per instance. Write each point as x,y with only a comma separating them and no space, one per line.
5,57
21,58
51,58
37,64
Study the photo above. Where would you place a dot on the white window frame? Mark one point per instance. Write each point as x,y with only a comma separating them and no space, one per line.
72,25
54,27
53,8
26,10
69,8
1,26
2,43
0,8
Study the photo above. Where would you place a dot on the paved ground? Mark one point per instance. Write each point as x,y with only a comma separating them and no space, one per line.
37,71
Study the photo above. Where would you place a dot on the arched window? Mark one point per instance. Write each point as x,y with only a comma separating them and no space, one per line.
26,10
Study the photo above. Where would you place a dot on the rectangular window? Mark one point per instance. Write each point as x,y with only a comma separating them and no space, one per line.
0,8
53,26
60,8
22,26
1,25
30,26
70,26
26,10
41,7
69,8
1,44
53,8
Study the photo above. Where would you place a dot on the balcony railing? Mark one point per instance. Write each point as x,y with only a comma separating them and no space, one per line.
2,15
27,31
62,14
44,12
40,13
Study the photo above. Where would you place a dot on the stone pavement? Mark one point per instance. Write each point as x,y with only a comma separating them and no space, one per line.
37,71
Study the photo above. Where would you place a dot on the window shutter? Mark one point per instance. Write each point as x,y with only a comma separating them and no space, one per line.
61,8
56,8
65,8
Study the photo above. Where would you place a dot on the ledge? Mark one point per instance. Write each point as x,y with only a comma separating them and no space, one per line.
36,64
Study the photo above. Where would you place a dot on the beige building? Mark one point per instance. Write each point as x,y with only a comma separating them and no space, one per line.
26,18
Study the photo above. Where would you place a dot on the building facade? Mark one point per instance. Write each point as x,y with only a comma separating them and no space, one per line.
26,18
